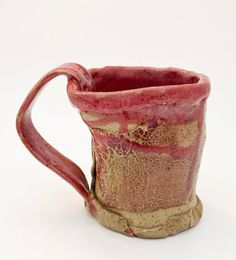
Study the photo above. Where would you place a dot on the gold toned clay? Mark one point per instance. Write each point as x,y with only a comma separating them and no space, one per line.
110,128
132,127
176,134
152,224
148,127
90,116
182,135
155,180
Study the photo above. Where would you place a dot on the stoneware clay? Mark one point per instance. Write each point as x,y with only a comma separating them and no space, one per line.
148,131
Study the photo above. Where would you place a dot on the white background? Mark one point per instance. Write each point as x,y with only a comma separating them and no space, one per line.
41,216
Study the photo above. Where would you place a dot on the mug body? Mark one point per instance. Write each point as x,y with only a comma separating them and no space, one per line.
148,131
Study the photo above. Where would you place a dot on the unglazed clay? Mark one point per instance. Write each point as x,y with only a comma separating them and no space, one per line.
148,131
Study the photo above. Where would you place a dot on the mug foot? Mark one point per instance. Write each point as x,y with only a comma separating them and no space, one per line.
154,224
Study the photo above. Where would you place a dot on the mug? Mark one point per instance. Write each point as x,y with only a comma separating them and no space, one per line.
148,131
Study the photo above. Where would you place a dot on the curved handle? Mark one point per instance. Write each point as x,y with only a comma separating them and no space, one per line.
34,142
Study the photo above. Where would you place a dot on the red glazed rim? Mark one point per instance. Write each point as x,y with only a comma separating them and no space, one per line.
129,99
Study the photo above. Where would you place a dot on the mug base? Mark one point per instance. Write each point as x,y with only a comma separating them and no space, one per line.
154,224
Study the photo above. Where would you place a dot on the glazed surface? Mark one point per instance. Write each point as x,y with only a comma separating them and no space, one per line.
148,131
143,164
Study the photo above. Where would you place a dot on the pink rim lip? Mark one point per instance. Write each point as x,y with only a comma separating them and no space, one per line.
131,99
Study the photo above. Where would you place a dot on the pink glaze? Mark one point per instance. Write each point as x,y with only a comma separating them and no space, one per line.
126,95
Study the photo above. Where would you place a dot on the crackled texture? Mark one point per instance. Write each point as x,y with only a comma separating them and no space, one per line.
147,146
147,159
143,166
182,135
131,180
147,127
152,135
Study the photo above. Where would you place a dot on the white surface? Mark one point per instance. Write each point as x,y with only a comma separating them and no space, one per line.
41,216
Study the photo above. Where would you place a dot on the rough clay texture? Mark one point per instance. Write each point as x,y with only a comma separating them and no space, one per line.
142,181
182,135
174,134
144,167
148,132
145,170
147,146
154,224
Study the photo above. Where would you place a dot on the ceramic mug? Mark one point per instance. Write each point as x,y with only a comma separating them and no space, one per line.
148,131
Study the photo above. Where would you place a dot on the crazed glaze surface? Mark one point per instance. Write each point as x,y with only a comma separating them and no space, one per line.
147,146
148,131
146,169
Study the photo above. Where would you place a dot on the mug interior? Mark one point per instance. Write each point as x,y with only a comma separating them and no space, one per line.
117,78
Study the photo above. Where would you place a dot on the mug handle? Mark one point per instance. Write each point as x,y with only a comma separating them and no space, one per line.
35,143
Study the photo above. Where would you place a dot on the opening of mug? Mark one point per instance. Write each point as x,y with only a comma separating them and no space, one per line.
109,79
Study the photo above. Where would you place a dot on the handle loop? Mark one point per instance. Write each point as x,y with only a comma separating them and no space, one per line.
35,143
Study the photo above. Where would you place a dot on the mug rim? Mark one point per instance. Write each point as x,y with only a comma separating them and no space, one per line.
128,99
